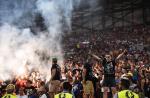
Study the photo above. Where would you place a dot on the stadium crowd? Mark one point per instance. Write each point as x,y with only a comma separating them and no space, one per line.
86,55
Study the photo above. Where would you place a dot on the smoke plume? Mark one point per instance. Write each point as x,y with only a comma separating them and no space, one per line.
20,47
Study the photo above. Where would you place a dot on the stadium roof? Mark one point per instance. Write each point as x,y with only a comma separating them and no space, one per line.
104,14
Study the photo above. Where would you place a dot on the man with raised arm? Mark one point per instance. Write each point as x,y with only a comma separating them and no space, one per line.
109,64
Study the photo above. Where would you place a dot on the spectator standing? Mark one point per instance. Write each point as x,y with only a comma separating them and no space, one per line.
77,85
42,92
22,93
66,91
88,87
125,92
54,83
10,89
109,64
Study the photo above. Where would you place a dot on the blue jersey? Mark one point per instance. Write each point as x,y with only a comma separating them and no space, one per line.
77,88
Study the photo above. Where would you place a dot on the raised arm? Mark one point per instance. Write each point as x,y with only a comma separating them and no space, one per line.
120,55
96,57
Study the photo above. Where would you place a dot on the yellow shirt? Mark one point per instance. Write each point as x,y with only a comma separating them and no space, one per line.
64,95
9,96
88,87
127,94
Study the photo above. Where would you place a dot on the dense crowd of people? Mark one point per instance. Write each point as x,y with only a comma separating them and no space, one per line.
96,65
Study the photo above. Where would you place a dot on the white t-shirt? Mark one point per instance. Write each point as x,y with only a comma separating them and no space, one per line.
24,96
43,96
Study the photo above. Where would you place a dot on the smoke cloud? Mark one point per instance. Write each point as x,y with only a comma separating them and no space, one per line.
20,48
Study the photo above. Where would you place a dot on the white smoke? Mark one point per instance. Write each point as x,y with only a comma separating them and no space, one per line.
17,12
56,14
18,45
